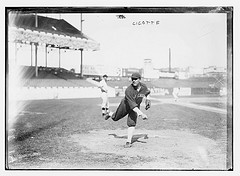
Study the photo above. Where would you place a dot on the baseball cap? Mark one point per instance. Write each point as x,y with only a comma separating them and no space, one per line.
136,75
105,76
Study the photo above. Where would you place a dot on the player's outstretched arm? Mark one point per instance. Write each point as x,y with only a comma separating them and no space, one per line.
140,113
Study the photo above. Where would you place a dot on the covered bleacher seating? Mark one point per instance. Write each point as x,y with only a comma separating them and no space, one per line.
51,77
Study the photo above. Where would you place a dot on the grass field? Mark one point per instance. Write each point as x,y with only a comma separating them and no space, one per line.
71,134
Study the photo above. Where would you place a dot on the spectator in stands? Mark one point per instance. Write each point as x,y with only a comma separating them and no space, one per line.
104,89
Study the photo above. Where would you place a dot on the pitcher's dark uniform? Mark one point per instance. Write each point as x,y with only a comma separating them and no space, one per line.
132,99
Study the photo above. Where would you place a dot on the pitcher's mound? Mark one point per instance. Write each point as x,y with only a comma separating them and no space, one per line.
166,149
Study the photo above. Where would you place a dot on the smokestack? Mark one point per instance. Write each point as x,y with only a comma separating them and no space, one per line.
169,59
36,20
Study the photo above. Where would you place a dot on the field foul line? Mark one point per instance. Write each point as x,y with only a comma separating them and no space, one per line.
31,113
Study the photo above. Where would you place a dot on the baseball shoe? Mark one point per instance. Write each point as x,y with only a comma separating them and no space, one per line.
127,145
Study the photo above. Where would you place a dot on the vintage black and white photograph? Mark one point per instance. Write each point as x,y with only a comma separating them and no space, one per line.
119,88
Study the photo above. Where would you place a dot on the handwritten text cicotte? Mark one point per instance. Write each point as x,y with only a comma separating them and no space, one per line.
135,23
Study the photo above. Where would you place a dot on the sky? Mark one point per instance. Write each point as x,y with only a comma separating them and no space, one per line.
195,39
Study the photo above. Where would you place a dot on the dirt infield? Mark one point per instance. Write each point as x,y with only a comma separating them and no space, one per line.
166,149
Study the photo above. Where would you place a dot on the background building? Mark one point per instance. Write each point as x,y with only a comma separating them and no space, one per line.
194,72
127,72
215,71
148,70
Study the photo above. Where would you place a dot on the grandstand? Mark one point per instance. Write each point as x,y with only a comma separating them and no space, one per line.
40,31
60,77
51,77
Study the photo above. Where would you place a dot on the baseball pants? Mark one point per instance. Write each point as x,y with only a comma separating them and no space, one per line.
123,110
105,102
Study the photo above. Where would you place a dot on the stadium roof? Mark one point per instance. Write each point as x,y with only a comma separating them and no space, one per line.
31,28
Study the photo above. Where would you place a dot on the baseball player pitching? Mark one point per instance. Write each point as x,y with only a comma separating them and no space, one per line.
130,105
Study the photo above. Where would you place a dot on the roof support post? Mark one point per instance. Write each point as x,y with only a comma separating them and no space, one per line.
36,67
46,52
31,54
36,47
59,55
81,66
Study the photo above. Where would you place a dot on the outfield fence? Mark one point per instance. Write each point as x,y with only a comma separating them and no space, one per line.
36,93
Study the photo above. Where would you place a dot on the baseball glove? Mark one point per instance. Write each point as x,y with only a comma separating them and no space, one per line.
148,104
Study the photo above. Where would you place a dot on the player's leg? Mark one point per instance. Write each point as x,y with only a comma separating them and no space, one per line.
104,103
121,112
103,110
107,105
129,137
131,122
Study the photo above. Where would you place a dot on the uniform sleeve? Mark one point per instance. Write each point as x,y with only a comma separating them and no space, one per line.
130,99
147,91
